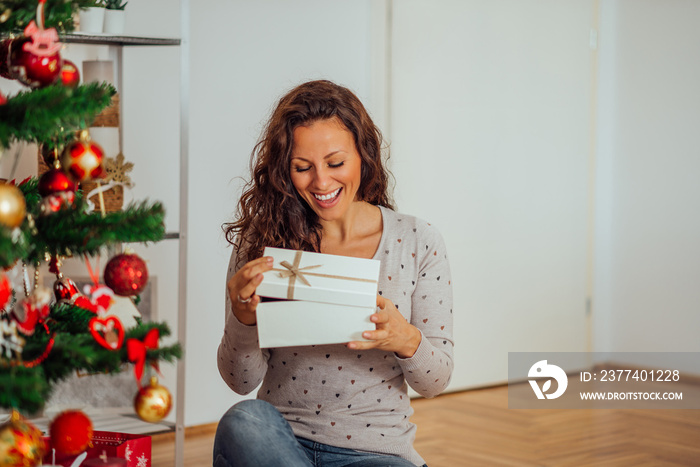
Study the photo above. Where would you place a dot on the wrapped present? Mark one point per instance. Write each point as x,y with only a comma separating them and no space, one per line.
325,299
134,449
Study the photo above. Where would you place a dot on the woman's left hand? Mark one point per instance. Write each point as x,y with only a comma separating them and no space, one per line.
393,332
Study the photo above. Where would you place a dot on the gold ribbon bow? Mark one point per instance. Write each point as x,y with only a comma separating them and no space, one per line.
293,271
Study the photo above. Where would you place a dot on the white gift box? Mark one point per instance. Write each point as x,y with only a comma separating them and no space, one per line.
327,298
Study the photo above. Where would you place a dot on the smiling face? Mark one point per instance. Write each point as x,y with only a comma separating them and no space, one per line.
326,168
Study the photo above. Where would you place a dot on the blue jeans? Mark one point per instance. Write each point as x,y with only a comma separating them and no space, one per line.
253,433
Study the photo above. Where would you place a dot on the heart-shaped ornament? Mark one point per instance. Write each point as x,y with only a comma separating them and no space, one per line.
108,332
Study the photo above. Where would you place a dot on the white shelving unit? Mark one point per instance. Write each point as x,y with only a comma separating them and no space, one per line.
118,43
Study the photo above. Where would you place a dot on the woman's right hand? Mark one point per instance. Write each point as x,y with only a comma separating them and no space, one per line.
241,289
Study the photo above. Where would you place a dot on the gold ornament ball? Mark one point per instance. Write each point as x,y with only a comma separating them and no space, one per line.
20,443
153,402
12,205
83,158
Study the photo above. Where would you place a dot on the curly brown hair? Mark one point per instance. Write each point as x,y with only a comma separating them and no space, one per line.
270,211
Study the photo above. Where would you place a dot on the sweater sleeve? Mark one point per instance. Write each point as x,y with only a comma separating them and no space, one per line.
429,370
242,363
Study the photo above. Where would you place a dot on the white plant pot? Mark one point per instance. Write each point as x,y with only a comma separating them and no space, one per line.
92,20
114,21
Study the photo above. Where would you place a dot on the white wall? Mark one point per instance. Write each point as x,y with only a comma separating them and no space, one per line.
647,272
491,124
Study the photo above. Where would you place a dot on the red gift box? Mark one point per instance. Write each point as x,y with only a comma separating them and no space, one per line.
136,449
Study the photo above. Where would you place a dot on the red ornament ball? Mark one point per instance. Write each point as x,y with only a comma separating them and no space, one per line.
20,443
126,274
55,181
71,432
82,159
70,75
29,68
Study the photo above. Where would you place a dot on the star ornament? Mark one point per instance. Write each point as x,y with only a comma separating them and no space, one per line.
117,170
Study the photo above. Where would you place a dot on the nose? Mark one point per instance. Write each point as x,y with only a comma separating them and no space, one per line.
322,179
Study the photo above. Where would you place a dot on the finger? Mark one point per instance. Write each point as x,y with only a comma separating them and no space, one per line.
236,283
256,267
248,272
379,318
361,345
377,335
381,301
246,312
252,305
248,289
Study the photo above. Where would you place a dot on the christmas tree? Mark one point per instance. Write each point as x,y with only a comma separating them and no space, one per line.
45,336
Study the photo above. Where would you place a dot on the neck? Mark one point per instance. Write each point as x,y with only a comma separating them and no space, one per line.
350,226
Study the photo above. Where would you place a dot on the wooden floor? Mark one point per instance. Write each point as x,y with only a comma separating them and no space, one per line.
476,428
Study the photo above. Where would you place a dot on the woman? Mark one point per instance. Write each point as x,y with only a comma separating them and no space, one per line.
319,184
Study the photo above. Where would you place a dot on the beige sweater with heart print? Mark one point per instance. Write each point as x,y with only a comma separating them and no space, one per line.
358,399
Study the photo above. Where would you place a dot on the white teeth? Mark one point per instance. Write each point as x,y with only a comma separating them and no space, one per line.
328,196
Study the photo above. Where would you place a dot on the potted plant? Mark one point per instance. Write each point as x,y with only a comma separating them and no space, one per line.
114,16
92,18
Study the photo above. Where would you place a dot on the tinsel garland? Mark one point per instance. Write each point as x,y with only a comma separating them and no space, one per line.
51,115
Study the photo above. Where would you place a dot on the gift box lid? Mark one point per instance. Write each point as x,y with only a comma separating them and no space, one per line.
318,277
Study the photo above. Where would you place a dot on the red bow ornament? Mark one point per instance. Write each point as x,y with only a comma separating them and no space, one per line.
136,351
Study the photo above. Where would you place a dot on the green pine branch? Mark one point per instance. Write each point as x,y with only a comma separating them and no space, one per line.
73,232
30,190
73,349
53,114
57,14
12,247
23,388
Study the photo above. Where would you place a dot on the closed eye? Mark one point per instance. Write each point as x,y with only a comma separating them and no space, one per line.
335,166
301,169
